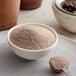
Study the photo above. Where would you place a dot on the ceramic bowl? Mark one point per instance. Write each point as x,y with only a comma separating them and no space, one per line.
66,19
31,54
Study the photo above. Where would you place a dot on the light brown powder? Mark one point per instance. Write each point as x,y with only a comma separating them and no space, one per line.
59,64
32,37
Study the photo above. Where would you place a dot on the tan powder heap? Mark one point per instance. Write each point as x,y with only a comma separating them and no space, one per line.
59,64
32,37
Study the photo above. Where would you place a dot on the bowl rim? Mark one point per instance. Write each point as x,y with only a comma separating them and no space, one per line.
39,24
62,10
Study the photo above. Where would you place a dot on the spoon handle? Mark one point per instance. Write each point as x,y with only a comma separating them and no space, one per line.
66,72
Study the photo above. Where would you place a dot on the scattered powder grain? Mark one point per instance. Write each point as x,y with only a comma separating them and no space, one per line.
32,37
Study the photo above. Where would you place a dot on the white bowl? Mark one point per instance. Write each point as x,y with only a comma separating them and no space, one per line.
31,54
66,19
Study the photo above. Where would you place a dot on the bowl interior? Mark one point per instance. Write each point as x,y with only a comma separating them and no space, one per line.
58,5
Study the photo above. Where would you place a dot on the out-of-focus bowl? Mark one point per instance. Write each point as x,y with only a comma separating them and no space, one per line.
66,19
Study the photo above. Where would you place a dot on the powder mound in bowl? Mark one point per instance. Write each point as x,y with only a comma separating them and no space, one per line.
32,37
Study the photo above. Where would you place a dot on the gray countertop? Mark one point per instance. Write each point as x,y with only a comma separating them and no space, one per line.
12,65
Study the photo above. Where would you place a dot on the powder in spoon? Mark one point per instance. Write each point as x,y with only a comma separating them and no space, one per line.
32,37
58,64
